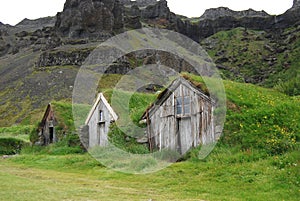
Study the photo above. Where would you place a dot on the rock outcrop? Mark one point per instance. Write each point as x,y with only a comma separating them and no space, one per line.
133,17
157,10
63,58
32,25
288,19
101,19
215,13
220,19
90,18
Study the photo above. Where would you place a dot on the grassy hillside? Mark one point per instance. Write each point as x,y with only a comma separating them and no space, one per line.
257,158
256,56
261,118
257,118
242,55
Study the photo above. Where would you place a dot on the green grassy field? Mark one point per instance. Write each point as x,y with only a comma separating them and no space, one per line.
224,175
257,158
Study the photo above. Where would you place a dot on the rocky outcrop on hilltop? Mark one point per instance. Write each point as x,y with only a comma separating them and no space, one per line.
100,19
290,18
90,18
215,13
157,10
220,19
32,25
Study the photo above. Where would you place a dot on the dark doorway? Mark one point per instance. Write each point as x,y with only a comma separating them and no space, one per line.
51,134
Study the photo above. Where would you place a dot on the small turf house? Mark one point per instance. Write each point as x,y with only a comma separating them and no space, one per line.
180,118
98,122
46,129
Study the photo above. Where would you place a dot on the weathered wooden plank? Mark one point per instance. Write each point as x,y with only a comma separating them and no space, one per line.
189,127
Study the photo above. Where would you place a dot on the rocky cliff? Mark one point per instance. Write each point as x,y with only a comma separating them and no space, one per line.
215,13
32,25
90,18
220,19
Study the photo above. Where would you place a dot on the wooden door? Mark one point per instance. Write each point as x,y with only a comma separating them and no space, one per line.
184,133
101,134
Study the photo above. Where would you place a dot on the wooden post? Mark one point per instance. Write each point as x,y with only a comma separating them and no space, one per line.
149,131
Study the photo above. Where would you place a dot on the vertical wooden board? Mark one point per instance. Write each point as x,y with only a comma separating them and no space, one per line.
194,104
198,128
203,128
185,130
164,131
156,128
151,137
186,91
194,125
177,92
93,130
103,135
172,133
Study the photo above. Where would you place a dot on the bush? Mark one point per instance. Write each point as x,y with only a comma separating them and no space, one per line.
34,135
291,87
126,143
70,144
10,146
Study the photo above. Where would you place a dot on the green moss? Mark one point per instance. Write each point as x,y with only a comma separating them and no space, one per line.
64,118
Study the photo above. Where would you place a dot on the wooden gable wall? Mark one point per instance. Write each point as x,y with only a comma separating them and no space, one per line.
169,130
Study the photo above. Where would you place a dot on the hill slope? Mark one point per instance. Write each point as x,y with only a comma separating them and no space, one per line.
39,59
257,157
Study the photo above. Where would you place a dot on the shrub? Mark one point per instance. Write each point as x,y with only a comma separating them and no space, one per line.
290,87
124,142
10,146
34,135
70,144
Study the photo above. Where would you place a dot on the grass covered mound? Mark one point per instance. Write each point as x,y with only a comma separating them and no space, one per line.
260,118
10,146
256,158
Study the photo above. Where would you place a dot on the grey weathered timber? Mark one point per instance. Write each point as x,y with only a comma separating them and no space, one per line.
98,122
181,118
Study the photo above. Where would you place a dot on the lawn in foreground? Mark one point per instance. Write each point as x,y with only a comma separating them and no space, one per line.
222,176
